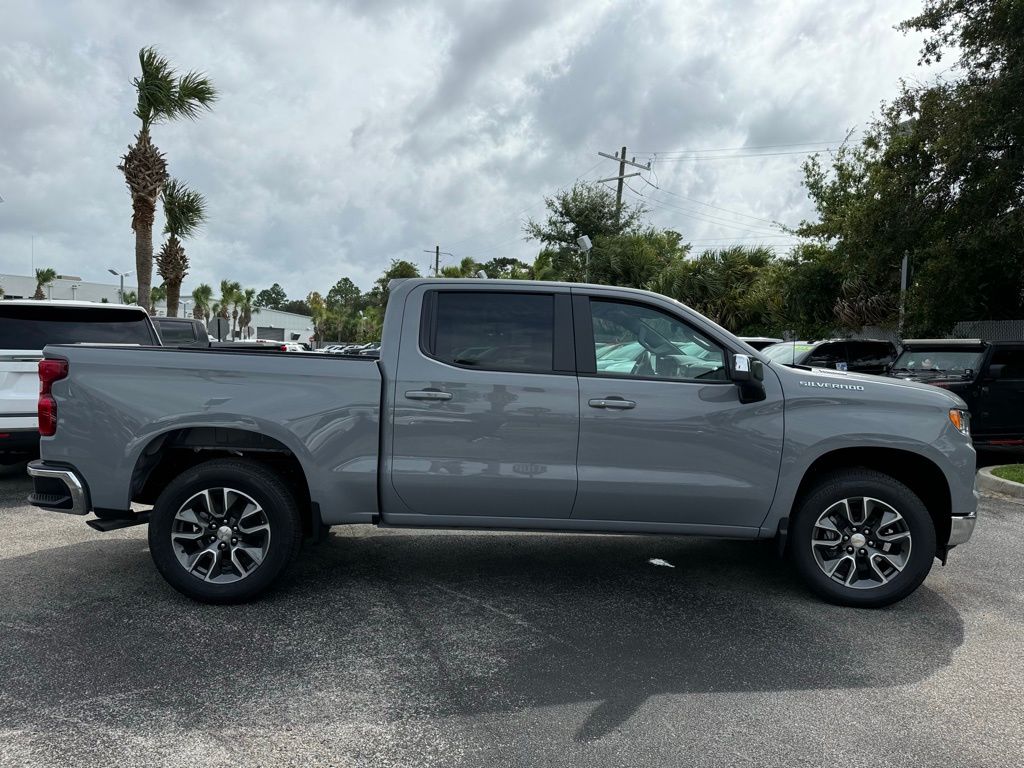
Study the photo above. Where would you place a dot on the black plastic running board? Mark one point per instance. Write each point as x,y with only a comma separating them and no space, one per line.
112,524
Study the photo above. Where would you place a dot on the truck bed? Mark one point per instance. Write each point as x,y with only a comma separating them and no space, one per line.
323,409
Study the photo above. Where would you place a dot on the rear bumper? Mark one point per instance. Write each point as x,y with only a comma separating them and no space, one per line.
58,489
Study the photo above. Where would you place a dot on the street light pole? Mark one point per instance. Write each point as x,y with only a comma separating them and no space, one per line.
122,275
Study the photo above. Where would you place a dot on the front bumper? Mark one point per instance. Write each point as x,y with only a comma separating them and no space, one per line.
960,529
58,489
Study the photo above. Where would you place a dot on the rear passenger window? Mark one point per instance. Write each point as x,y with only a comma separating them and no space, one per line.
176,333
494,331
1013,359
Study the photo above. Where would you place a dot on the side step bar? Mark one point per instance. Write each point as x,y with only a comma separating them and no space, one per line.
104,524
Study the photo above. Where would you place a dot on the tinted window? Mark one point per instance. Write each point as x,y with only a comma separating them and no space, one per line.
495,331
870,354
1013,359
787,351
826,356
33,327
633,340
172,333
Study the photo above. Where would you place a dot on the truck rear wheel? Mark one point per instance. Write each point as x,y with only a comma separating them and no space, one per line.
224,531
863,539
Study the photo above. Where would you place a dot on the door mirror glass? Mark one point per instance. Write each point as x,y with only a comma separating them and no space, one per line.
746,368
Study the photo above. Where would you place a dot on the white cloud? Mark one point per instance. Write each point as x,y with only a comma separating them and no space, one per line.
351,134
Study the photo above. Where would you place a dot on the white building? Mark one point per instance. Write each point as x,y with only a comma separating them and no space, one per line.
272,324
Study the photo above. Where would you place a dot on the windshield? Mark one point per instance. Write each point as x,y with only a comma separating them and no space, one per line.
787,352
33,327
959,362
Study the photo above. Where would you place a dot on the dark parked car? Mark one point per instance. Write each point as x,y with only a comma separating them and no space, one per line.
858,355
182,332
989,376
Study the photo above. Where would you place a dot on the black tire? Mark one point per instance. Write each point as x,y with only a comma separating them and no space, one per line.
257,482
853,484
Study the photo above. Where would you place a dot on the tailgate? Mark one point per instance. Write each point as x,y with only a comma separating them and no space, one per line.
19,388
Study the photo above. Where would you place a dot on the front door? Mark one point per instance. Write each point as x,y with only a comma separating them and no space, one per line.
486,417
663,436
1000,409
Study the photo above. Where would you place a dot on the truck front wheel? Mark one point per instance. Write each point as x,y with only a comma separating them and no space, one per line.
224,530
862,538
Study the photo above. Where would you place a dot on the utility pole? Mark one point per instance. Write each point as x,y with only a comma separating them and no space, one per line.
438,253
621,178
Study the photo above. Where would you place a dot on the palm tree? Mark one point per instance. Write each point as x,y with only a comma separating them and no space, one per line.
163,96
465,268
44,277
184,212
157,294
129,297
229,292
202,295
248,297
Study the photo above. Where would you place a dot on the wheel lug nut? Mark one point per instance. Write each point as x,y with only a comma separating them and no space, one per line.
849,550
234,541
854,530
846,538
863,552
871,543
223,545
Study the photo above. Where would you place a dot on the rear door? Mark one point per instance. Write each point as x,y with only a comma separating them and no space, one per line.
486,416
828,355
663,437
1000,409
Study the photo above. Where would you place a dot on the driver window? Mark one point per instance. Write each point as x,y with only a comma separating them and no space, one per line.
637,341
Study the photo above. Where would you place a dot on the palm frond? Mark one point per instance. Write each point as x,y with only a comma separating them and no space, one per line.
184,209
193,93
155,86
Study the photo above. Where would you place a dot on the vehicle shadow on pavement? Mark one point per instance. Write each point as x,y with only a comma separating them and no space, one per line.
407,624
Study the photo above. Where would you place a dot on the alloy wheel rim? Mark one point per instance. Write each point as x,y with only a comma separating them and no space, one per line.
861,542
220,535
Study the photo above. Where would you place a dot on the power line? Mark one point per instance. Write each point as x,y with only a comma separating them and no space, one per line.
710,205
737,149
657,159
703,217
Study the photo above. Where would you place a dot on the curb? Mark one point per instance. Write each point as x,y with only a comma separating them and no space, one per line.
989,483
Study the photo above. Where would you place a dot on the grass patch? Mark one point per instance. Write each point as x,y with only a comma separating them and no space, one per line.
1014,472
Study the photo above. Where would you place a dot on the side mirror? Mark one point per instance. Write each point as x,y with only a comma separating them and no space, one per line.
995,371
748,375
746,368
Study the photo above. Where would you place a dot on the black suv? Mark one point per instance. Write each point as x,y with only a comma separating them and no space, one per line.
858,355
989,376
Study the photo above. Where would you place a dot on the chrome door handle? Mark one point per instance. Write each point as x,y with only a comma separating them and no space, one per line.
612,402
428,394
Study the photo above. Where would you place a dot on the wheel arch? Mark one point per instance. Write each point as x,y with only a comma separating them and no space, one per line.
919,473
174,451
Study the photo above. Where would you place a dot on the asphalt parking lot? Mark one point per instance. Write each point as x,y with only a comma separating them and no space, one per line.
450,649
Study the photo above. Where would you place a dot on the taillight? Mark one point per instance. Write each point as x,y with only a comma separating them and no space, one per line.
49,372
284,348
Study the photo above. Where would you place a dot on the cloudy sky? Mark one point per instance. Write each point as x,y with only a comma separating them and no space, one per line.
352,133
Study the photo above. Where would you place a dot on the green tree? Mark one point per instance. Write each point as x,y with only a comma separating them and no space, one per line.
586,209
273,297
465,268
184,213
162,96
398,269
507,268
298,307
636,259
937,178
157,294
344,294
44,277
202,297
245,308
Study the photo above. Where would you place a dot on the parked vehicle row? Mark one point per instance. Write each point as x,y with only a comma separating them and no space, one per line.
508,405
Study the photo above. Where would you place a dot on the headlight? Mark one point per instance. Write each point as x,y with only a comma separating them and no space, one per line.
961,420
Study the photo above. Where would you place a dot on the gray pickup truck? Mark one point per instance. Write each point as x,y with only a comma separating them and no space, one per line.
508,405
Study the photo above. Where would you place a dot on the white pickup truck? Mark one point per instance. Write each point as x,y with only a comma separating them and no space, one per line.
28,326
